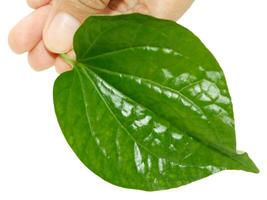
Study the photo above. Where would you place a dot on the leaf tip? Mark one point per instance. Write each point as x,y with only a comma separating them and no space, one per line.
247,164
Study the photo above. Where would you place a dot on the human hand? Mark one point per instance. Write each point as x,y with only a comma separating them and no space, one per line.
49,30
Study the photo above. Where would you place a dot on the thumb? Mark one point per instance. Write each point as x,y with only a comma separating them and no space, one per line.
64,20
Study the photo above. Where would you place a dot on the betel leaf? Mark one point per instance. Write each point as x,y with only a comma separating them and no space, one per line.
146,105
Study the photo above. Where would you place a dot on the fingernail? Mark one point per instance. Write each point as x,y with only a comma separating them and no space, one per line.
58,37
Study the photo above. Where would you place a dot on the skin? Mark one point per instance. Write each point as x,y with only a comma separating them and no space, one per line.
49,29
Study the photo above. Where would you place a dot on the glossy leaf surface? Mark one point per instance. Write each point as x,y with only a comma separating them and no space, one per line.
147,105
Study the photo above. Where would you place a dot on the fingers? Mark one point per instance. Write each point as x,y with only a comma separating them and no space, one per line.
48,29
37,3
40,58
28,32
167,9
64,21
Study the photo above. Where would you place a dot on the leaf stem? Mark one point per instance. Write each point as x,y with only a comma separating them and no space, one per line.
67,59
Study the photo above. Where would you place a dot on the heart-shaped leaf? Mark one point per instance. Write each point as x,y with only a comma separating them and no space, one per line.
146,105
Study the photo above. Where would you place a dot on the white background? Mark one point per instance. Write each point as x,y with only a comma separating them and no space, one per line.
36,162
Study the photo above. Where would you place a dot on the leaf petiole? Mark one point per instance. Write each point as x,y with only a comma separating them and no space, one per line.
67,59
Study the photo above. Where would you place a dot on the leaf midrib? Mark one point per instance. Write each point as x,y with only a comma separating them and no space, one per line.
165,87
230,155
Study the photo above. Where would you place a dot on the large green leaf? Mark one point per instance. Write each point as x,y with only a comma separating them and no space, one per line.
147,105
